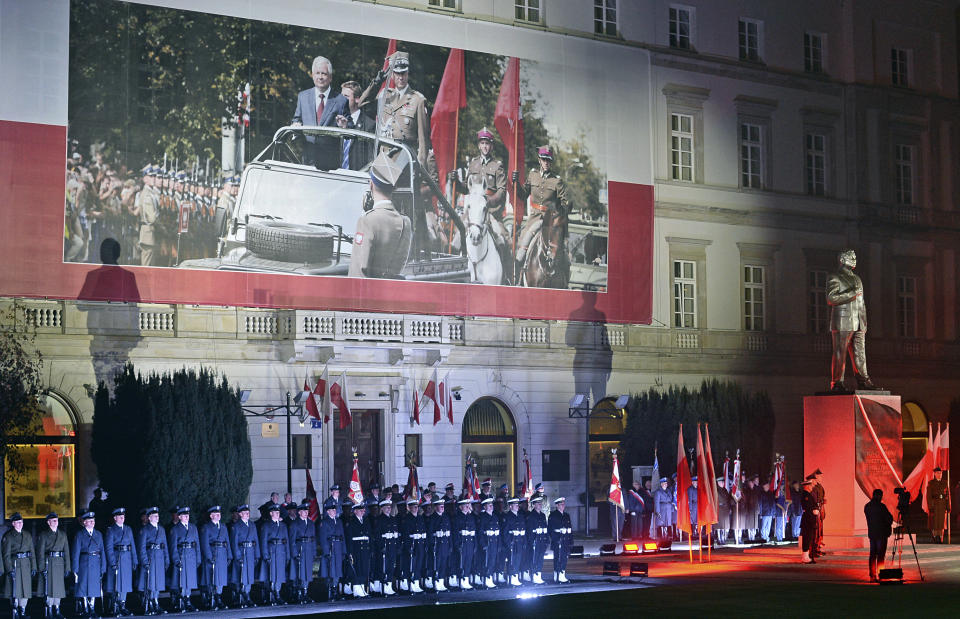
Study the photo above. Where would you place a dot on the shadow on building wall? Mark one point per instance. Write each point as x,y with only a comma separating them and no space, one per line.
592,358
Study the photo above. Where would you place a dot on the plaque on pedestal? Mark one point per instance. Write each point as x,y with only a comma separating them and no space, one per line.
857,441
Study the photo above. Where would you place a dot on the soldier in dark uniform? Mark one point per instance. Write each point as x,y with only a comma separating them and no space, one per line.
53,557
546,191
335,495
245,548
488,530
938,500
809,522
633,505
386,547
485,490
89,563
273,551
184,544
217,553
512,536
751,505
561,538
439,547
413,532
333,548
265,508
464,538
19,564
538,538
357,530
154,560
724,503
664,509
382,241
302,545
820,495
121,548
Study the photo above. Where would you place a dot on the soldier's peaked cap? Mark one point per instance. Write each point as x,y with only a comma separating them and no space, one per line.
330,503
384,171
119,511
360,505
537,499
413,501
545,152
449,486
487,500
484,134
466,501
273,508
16,516
386,502
305,505
52,515
183,510
400,62
243,508
487,482
334,487
560,499
152,510
937,469
664,480
88,515
213,508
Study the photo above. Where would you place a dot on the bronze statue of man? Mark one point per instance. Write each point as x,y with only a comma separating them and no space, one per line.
848,323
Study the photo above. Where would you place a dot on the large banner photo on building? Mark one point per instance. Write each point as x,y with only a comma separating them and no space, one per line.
207,142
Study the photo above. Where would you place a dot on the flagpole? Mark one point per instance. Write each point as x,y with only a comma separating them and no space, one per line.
689,543
453,185
516,194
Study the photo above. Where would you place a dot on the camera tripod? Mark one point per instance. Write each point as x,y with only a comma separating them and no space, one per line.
897,552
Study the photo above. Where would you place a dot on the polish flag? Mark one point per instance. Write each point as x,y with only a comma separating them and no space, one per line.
733,487
430,391
446,397
323,390
356,491
338,397
476,479
528,478
943,445
916,482
615,495
416,401
706,491
683,482
311,404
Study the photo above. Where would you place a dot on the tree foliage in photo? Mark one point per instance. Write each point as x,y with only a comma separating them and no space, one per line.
21,389
172,439
738,419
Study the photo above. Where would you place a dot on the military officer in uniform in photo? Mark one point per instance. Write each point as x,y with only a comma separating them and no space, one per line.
146,208
333,548
89,563
303,545
546,191
53,557
154,560
273,552
382,241
184,544
561,538
217,554
245,548
938,500
121,549
490,172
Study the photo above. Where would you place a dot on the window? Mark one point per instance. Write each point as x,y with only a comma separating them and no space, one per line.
903,173
555,464
607,424
301,453
605,17
681,147
749,37
816,163
753,297
412,453
818,313
899,63
680,22
444,4
527,10
751,156
812,52
489,436
684,294
907,306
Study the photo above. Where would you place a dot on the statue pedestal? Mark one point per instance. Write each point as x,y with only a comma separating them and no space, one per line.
838,440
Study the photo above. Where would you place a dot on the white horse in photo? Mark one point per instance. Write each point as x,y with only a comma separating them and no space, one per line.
485,264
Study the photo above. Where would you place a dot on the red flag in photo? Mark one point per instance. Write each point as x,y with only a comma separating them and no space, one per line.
476,479
323,390
391,48
615,495
706,505
338,398
444,121
430,391
683,482
314,511
508,119
311,404
527,478
446,397
356,491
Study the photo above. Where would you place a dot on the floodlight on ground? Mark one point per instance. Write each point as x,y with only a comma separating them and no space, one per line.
611,568
631,548
244,395
608,549
665,545
576,552
639,569
650,547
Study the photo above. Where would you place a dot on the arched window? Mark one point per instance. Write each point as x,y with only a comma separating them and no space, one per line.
49,482
490,438
606,431
914,434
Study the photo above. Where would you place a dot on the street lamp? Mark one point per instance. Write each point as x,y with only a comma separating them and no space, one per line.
580,409
292,408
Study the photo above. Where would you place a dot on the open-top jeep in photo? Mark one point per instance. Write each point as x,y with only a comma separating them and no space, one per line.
291,216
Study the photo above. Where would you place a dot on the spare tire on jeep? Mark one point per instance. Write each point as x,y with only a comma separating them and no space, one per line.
278,240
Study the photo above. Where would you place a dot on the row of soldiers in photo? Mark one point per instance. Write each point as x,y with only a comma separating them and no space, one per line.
165,216
352,549
760,514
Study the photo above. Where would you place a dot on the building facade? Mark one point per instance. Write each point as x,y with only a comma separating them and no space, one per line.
773,136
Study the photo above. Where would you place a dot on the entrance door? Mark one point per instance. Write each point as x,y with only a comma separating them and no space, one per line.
363,433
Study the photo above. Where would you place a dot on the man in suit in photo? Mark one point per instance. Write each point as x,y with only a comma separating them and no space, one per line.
356,152
321,106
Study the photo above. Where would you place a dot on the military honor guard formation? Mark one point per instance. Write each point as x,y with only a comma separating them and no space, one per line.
377,545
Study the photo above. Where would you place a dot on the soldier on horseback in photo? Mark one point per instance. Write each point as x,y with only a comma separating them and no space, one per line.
544,231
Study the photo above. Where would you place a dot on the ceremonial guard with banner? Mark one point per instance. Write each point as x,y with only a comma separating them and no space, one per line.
216,551
121,549
245,549
89,564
